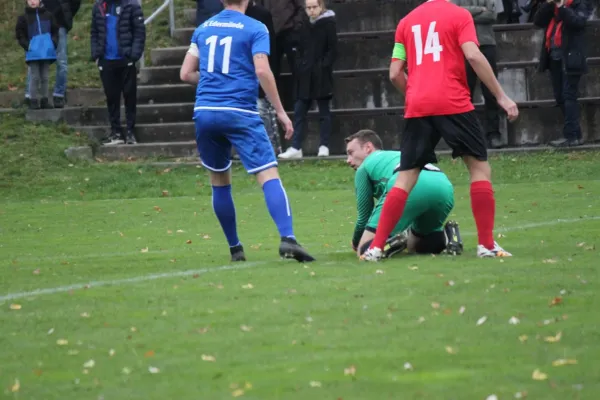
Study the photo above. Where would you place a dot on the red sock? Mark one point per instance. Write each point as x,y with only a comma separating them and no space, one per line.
483,205
392,210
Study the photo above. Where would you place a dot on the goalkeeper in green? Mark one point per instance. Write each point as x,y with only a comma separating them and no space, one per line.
421,229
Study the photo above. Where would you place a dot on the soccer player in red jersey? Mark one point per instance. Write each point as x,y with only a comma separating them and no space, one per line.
433,41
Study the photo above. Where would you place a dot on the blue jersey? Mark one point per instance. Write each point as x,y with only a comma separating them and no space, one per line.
225,45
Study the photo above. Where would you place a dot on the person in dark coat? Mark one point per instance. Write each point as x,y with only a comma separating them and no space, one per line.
563,53
37,21
265,108
63,12
313,78
118,36
206,9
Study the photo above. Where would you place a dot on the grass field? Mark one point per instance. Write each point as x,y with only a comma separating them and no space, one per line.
137,300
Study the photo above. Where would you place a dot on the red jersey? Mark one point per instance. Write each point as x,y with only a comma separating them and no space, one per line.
430,37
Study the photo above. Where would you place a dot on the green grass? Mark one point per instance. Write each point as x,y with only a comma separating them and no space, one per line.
292,335
82,72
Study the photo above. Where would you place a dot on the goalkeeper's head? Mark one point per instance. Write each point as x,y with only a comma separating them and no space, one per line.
359,145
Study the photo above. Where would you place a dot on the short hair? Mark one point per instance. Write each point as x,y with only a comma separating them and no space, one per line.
233,2
366,136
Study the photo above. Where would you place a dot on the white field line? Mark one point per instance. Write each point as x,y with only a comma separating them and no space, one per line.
176,274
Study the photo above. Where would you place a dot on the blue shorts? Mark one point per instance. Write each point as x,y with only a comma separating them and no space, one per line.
218,130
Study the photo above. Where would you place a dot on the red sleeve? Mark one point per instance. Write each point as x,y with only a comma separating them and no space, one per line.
466,29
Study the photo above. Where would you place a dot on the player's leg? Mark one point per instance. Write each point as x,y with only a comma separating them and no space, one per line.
256,153
464,134
418,144
215,155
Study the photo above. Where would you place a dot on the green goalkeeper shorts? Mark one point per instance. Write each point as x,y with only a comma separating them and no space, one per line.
427,207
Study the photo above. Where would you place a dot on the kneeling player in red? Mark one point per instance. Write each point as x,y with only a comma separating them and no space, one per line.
434,40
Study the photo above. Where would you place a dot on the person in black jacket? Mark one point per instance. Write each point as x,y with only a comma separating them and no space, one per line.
37,21
265,108
563,54
63,12
118,36
314,77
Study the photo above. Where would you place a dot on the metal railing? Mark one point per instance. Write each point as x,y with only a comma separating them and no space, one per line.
159,10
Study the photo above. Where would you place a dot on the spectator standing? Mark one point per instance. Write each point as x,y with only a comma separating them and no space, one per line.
37,33
118,36
63,12
289,18
314,77
265,108
206,9
484,15
564,55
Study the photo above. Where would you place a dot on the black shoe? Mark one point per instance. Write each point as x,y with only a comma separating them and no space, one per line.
395,244
113,139
44,103
566,143
237,253
454,244
130,138
26,101
59,102
289,248
34,104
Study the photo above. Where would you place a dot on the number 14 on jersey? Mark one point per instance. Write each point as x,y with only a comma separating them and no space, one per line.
432,43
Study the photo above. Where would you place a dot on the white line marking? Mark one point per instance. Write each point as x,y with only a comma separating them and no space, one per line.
176,274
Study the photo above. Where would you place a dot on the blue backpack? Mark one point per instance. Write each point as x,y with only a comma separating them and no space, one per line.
41,47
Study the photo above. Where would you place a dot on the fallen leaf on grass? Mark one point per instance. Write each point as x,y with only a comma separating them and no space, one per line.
408,366
413,268
450,350
133,329
153,370
72,352
581,244
562,361
11,88
15,307
592,247
549,261
556,301
208,358
149,353
157,209
435,305
206,237
523,338
245,328
89,364
514,321
126,371
188,242
538,375
421,320
237,393
144,250
36,271
379,272
520,395
461,310
111,352
84,315
351,370
202,330
50,331
16,386
481,321
315,384
62,342
248,286
121,234
492,397
553,339
449,283
165,193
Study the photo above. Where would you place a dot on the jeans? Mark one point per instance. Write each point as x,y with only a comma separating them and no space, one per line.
60,86
38,81
300,111
205,9
566,91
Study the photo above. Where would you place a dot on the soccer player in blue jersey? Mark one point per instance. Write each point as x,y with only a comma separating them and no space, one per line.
227,54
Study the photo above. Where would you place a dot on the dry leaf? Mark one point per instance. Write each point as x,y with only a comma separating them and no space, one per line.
315,384
50,331
208,358
157,209
89,364
16,386
133,329
421,320
514,321
36,271
408,366
165,193
539,376
492,397
549,261
351,370
144,250
245,328
435,305
556,301
413,268
153,370
149,353
581,244
111,352
121,234
562,361
481,321
15,307
248,286
523,338
450,283
461,310
11,88
73,352
84,315
188,242
62,342
237,393
312,273
205,237
520,395
247,385
450,350
126,371
553,339
379,272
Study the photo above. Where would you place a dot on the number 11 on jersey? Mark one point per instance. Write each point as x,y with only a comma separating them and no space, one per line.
432,43
212,42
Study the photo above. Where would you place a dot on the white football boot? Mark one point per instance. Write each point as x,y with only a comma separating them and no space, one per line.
497,251
373,255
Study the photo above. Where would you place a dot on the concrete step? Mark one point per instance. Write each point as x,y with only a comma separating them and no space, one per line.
372,88
373,49
538,123
357,16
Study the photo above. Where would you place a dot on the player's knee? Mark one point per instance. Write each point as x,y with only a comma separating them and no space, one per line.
267,175
479,170
220,178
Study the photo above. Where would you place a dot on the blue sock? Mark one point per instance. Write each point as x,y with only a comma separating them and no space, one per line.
224,208
279,207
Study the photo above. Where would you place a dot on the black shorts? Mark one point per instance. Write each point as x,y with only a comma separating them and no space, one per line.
463,133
